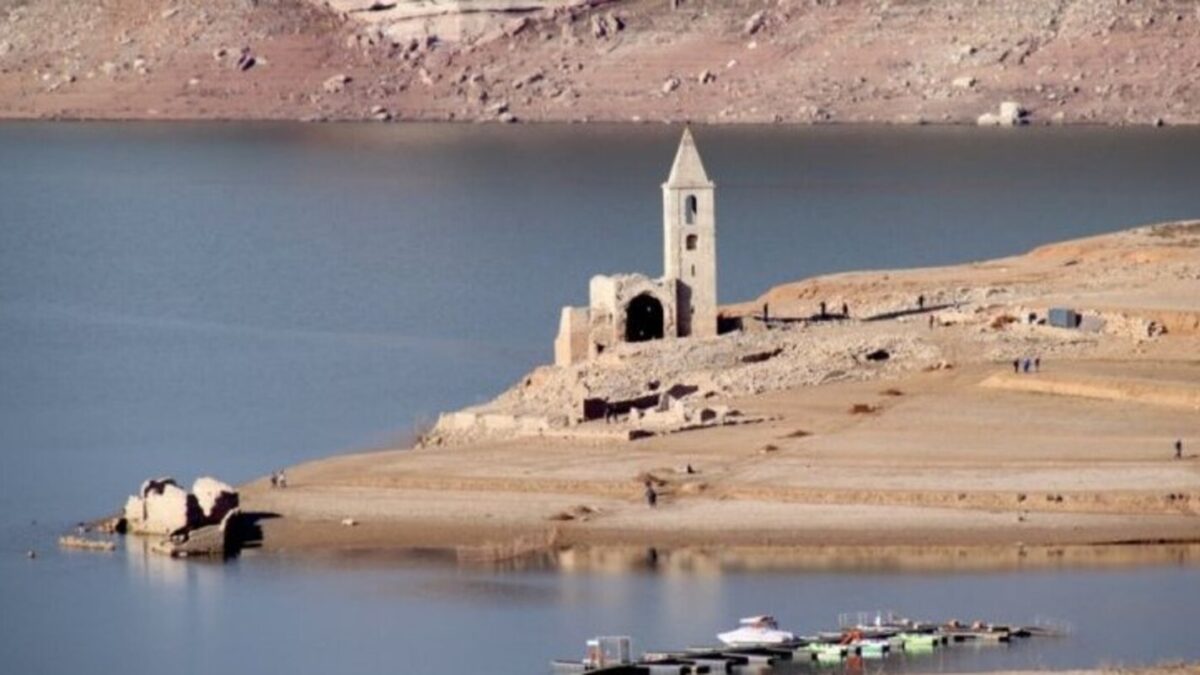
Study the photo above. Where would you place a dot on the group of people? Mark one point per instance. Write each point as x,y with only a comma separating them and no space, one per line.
1027,364
278,479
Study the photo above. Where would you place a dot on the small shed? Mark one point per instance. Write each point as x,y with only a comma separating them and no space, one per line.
1062,317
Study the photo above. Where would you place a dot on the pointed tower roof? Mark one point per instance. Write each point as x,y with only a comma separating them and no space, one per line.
688,170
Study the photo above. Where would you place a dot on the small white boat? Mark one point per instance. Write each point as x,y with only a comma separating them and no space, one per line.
756,630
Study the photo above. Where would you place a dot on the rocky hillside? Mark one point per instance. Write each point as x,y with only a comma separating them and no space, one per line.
797,61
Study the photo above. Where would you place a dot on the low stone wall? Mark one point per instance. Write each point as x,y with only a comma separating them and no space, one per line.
468,425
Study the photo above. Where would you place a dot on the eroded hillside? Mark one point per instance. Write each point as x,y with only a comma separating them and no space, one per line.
801,61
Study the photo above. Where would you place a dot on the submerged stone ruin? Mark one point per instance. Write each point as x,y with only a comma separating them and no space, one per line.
161,507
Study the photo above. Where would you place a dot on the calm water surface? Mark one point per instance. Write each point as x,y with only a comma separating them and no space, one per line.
229,299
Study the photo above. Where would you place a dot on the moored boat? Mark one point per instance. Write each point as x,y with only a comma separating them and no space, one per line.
757,630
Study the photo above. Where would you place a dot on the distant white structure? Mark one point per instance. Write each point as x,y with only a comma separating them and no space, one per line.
683,302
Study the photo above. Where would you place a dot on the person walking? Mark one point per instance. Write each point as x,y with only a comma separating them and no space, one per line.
1179,448
921,302
651,495
1017,366
845,310
1037,364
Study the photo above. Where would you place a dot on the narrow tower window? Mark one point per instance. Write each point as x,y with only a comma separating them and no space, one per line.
690,242
690,207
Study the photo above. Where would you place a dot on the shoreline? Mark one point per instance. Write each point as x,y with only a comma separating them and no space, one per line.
720,559
940,445
6,118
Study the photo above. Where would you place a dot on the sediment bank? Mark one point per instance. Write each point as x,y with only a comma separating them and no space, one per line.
943,446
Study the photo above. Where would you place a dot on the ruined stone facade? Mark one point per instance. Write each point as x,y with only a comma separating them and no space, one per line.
682,303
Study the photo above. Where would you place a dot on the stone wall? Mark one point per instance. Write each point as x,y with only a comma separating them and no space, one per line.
571,344
609,298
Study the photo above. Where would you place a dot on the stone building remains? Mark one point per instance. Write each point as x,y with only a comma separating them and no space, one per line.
681,303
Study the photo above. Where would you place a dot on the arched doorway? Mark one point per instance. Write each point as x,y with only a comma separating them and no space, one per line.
643,319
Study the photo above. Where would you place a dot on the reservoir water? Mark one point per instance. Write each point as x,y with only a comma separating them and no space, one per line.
229,299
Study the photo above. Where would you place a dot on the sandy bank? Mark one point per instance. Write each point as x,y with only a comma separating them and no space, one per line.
965,454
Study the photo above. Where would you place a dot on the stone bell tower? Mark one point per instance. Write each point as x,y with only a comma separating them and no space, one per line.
690,241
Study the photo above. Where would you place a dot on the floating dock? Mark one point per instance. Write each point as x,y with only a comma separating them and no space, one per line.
611,655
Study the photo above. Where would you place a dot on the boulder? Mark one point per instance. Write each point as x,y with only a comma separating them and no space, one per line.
755,23
215,499
1011,114
336,83
246,60
599,26
162,507
167,511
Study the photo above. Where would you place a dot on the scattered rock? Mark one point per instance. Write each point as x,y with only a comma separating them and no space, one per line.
380,113
755,23
86,544
349,522
603,26
1011,114
337,83
246,60
31,554
531,78
671,84
706,77
599,26
965,82
517,27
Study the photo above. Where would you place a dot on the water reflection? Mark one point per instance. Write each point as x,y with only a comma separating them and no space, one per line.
715,561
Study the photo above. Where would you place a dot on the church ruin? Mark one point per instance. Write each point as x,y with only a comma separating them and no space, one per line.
681,303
